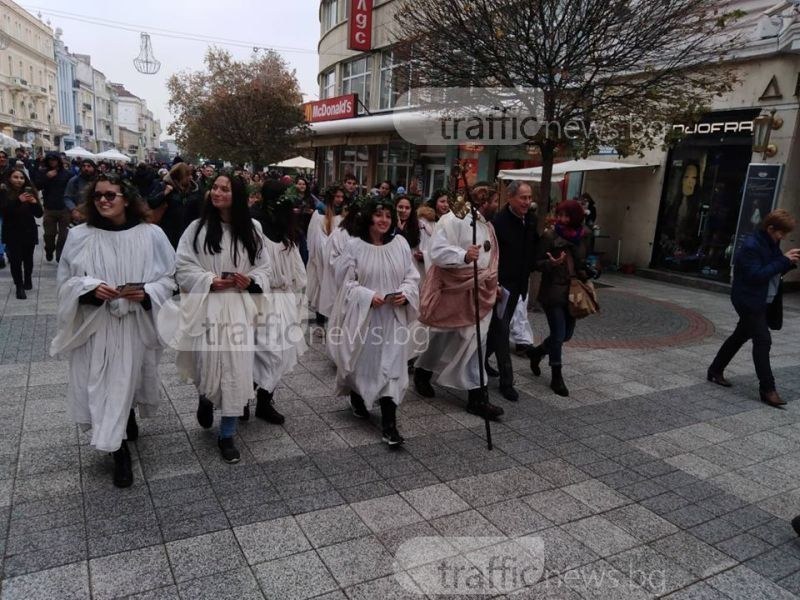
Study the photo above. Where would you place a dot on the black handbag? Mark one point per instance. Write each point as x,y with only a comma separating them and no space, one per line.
775,310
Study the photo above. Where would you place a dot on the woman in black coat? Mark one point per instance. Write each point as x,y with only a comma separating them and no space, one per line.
20,206
560,256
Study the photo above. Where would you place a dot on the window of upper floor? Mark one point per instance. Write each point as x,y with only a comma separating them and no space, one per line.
357,79
328,84
330,14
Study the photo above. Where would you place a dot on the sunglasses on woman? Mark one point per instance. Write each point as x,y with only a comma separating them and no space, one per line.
109,195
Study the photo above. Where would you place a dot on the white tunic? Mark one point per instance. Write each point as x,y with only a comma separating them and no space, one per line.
317,255
452,354
114,348
279,339
330,286
370,346
426,231
215,330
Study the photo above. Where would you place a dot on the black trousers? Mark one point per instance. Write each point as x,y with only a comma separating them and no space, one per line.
751,326
20,256
498,342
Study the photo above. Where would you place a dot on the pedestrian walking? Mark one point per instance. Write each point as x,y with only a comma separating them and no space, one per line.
757,297
52,181
20,207
175,201
323,223
115,274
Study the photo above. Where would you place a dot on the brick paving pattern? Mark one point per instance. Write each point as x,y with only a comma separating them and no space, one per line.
644,468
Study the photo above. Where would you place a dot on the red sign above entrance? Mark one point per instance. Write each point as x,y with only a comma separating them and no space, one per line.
359,32
331,109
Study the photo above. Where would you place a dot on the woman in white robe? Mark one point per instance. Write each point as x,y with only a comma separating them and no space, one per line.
322,225
369,338
223,268
279,337
107,331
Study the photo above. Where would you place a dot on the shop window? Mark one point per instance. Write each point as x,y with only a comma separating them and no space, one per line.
328,167
395,163
395,75
356,79
354,160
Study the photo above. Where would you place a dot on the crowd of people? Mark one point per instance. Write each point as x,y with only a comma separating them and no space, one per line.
221,267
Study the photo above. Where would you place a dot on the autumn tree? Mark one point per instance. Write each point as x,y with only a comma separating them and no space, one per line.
241,111
597,66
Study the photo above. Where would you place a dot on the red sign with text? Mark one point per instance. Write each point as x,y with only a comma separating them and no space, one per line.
360,25
331,109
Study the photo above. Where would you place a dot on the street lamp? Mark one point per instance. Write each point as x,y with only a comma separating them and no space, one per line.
763,125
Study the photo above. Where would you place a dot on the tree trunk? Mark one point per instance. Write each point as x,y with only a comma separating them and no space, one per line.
548,149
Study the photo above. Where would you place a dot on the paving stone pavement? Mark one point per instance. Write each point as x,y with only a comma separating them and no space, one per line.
646,482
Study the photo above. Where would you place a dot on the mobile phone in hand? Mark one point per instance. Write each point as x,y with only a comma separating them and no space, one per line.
227,275
389,298
130,287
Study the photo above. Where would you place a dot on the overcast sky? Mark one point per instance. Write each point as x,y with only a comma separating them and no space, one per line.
274,23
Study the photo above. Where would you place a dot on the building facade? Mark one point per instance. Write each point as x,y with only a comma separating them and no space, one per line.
65,78
28,89
140,133
684,212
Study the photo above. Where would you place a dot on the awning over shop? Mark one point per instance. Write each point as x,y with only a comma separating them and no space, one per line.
298,162
560,170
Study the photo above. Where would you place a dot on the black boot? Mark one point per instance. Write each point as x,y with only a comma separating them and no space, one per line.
123,474
229,451
422,383
21,295
132,428
536,354
245,416
358,407
265,410
557,381
478,404
389,422
205,412
28,281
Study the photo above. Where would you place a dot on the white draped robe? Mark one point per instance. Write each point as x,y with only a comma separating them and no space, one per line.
215,334
113,349
317,256
370,346
330,286
452,354
279,337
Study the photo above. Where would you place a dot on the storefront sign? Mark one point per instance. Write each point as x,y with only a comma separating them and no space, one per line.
715,128
761,189
359,32
331,109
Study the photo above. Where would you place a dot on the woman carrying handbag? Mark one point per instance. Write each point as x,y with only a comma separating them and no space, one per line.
561,258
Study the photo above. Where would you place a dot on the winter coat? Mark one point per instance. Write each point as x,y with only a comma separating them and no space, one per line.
53,189
19,219
182,207
554,288
757,261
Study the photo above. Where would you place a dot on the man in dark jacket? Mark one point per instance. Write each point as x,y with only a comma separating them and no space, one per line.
74,193
756,295
52,181
176,201
515,227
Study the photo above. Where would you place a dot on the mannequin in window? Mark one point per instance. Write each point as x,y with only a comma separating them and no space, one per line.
681,217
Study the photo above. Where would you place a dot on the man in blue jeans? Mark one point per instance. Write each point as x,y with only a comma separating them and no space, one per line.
757,297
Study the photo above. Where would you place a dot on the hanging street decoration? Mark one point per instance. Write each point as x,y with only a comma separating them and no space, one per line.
146,62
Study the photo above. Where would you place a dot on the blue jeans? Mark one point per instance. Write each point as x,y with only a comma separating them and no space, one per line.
562,326
227,427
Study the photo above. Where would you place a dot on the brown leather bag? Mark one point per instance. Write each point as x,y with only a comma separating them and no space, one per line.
582,295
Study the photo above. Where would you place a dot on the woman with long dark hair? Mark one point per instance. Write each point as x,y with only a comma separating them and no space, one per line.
323,224
115,274
379,297
19,209
560,256
279,339
222,269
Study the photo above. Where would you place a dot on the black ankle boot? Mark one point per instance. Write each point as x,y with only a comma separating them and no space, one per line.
265,410
536,354
123,474
245,416
205,412
389,422
557,381
132,428
28,282
21,295
358,407
422,383
478,404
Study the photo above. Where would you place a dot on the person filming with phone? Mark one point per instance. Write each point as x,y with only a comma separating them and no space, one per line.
756,295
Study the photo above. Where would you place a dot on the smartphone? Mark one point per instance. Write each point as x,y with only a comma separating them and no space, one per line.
227,275
130,287
388,298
